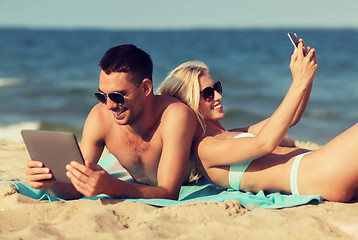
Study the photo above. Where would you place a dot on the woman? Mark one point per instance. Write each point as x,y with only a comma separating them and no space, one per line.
251,159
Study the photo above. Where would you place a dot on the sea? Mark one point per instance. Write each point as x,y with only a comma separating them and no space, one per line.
48,76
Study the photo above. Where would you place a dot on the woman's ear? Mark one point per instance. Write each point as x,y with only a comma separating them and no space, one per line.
147,86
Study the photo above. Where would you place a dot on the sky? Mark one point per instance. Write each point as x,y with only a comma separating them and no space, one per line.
183,14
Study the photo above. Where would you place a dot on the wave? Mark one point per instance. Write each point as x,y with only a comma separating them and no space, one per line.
12,133
4,82
321,113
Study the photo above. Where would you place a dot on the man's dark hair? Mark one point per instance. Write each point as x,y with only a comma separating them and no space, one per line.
129,59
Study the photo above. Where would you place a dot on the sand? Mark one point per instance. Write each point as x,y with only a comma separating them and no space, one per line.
24,218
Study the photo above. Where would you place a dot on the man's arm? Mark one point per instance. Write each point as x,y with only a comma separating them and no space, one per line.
177,130
178,134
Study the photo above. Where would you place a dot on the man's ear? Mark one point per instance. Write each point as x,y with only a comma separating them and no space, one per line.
147,86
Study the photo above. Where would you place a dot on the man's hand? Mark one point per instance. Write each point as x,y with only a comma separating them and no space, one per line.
38,176
89,179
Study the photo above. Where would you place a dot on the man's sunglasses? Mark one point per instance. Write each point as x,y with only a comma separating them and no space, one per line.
116,97
209,92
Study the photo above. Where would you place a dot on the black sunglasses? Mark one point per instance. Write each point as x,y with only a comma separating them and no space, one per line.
116,97
208,93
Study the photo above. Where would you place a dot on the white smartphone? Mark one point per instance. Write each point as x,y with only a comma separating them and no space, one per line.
293,39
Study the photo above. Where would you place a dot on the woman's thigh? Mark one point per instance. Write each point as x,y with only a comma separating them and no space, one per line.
332,170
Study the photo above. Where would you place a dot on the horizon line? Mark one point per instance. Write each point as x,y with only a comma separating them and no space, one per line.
194,28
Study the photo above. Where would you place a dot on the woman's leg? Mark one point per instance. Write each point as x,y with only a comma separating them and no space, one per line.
332,170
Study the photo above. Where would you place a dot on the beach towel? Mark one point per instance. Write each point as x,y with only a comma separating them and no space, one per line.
201,191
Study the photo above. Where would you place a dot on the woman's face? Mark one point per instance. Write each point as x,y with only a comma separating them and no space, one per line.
212,109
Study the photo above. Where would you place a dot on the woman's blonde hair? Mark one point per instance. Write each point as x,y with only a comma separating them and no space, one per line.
183,83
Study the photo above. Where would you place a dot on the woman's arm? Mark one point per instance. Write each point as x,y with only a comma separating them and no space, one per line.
287,141
255,129
301,109
273,130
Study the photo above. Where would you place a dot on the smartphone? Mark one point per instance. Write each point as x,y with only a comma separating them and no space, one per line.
293,39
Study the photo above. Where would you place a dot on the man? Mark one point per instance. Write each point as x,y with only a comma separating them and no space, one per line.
150,135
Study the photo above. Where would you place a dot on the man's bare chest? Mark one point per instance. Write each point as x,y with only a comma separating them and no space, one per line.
139,157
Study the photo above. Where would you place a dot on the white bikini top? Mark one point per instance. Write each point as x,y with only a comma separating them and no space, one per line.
244,134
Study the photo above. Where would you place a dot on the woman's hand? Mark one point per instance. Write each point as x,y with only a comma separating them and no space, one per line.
303,64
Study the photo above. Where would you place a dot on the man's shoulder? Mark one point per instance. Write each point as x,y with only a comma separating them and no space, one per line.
97,111
98,116
173,107
177,116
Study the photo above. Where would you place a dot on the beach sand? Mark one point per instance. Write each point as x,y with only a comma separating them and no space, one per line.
24,218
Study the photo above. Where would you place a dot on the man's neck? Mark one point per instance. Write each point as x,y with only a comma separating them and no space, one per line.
148,121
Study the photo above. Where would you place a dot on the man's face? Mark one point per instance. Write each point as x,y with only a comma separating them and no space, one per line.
118,82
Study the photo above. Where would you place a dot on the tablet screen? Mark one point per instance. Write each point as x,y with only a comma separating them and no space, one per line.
54,149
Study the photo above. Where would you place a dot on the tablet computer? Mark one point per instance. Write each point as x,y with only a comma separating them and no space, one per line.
54,149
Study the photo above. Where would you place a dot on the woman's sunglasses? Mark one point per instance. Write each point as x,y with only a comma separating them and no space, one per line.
116,97
209,92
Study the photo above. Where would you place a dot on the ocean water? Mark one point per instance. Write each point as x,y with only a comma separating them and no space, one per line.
47,77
